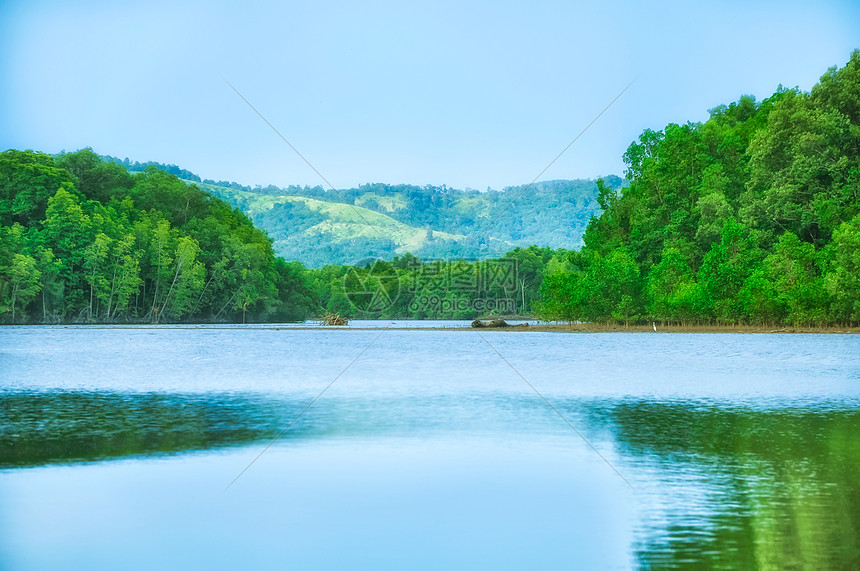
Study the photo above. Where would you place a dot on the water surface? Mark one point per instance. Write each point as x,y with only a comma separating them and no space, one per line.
430,451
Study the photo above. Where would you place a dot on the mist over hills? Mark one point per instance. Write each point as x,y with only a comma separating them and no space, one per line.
317,226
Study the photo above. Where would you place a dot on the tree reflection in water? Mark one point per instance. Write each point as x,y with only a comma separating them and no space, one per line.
772,488
720,486
43,428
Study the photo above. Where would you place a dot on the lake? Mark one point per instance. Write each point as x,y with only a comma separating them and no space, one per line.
145,448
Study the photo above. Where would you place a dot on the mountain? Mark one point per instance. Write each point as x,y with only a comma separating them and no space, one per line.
382,220
318,227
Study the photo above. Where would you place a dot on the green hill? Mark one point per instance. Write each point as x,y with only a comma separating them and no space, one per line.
298,224
319,227
82,240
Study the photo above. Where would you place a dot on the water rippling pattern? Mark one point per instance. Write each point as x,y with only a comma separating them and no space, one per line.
430,451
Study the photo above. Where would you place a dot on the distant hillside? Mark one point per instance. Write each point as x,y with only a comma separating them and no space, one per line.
318,226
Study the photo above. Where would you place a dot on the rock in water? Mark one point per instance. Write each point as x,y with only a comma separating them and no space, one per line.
490,323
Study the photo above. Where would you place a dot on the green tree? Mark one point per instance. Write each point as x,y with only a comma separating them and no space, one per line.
793,269
94,178
23,284
670,288
52,286
125,278
799,155
95,258
27,181
68,231
188,280
843,276
611,288
724,270
560,292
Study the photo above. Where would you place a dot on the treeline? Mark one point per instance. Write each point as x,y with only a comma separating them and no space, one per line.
411,288
83,240
750,217
135,166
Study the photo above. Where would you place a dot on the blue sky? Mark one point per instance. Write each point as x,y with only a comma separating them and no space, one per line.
468,94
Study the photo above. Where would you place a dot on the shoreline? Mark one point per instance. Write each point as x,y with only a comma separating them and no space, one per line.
540,328
745,329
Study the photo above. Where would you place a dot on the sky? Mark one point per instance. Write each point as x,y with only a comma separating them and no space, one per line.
467,94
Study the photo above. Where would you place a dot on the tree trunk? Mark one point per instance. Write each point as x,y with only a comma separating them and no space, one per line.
14,299
173,283
197,305
228,302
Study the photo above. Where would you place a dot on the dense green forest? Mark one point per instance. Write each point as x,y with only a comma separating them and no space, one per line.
83,240
411,288
750,217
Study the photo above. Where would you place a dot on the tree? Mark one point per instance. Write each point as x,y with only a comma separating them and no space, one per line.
724,270
23,282
52,286
611,288
95,256
27,181
159,260
94,178
188,279
793,270
560,292
843,276
804,151
125,280
839,89
68,231
103,257
670,288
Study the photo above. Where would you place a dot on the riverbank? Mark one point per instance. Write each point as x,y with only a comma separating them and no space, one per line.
530,327
614,328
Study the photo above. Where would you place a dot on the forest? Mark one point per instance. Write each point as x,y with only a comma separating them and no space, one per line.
752,217
85,241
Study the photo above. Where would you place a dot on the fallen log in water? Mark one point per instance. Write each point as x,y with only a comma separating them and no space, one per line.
334,319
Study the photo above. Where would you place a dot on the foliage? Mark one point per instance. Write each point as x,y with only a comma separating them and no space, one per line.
381,221
750,217
103,245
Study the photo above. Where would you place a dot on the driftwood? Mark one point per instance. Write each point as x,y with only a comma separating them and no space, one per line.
334,319
490,323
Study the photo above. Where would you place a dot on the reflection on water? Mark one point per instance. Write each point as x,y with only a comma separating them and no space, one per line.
41,428
729,473
760,488
772,488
